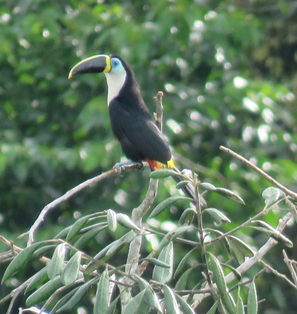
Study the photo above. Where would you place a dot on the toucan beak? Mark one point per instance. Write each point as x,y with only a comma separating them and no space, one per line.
94,64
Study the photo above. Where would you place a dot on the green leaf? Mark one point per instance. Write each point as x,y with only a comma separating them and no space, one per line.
224,242
272,195
143,284
230,195
186,308
162,173
218,274
218,216
38,279
182,184
112,306
166,203
76,227
63,233
171,304
292,208
274,233
229,303
239,249
20,260
183,262
182,281
152,300
118,244
88,236
213,309
63,300
44,292
112,220
43,250
78,295
219,280
150,297
162,274
56,265
134,305
252,299
71,270
170,236
126,222
234,270
187,216
239,304
102,296
208,186
102,253
156,262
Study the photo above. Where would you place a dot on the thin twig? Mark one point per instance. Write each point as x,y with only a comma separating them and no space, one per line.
258,170
278,274
247,282
262,251
245,224
291,267
159,110
250,262
14,293
16,249
70,193
184,241
194,166
58,291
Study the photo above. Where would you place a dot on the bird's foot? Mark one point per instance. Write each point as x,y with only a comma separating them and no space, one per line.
119,167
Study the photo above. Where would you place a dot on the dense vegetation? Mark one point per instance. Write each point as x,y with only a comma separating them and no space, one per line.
228,73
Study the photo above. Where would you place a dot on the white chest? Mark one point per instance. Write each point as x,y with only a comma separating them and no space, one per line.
115,82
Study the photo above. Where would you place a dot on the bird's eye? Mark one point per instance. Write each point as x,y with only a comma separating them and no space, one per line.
115,62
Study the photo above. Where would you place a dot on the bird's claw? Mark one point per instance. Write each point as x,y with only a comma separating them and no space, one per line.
119,167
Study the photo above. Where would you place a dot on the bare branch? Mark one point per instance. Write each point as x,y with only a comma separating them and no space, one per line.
17,291
269,244
249,262
159,110
72,192
292,267
278,274
258,170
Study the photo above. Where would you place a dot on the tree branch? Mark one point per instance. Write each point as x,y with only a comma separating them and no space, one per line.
258,170
159,110
70,193
241,269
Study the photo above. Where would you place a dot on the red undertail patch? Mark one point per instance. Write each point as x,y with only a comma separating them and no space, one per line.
156,165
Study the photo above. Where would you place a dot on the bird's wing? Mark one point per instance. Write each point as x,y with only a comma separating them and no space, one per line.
148,140
136,131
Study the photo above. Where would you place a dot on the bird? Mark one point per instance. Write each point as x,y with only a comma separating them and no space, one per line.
131,122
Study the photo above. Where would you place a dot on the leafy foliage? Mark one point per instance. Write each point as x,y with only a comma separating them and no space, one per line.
228,73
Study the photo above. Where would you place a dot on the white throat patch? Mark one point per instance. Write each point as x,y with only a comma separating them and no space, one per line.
115,82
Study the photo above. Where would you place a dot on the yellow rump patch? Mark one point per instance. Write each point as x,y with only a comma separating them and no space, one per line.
170,164
156,165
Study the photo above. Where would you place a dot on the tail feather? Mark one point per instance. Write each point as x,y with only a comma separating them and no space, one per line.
188,189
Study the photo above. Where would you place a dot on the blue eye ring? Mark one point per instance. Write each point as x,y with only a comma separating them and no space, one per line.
115,62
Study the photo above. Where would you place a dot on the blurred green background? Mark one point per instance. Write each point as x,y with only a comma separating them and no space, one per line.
228,72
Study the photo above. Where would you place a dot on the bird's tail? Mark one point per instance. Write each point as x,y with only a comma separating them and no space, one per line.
188,189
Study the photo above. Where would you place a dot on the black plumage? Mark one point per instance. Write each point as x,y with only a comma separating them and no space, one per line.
131,122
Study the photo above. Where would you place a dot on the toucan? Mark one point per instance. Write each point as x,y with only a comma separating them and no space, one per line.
131,122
